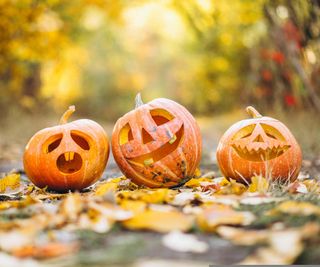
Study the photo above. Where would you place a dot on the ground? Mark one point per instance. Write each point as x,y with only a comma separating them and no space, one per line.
225,223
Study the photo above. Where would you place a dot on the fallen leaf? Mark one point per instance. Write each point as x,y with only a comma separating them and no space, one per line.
258,184
195,182
295,207
71,206
312,185
182,242
284,247
160,221
110,211
135,207
155,196
216,215
46,251
241,236
110,185
98,224
257,200
8,260
232,187
9,183
297,187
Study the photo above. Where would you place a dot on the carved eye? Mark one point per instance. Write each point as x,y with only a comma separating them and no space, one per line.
52,143
161,116
244,132
125,134
80,139
272,132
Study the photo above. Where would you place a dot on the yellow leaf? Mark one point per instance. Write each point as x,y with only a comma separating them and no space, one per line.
106,188
218,214
195,182
259,184
160,221
148,195
135,207
111,185
197,173
11,181
295,207
231,187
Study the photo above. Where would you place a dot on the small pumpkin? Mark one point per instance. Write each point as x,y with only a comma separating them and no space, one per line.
259,146
70,156
158,144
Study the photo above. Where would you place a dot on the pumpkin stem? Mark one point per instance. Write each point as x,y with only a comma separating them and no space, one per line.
67,114
253,112
138,100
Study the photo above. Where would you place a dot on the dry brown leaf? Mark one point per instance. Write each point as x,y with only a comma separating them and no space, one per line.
71,206
243,237
284,247
297,187
160,221
46,251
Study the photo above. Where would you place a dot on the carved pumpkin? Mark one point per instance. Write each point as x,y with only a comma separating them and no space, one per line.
158,144
259,146
70,156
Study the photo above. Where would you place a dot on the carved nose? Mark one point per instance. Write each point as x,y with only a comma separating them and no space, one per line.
259,139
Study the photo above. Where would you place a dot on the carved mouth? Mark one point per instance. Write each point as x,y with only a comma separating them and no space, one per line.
161,152
69,162
260,154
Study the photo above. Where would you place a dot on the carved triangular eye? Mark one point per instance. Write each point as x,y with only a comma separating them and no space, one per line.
146,137
80,140
52,143
161,116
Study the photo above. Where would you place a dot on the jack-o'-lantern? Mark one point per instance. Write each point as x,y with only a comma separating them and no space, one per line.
158,144
70,156
259,146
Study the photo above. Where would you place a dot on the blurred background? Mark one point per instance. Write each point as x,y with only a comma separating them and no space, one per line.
215,57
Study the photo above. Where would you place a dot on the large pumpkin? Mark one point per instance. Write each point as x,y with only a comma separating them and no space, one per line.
259,146
70,156
157,144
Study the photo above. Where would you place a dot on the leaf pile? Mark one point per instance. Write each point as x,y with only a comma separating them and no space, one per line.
38,225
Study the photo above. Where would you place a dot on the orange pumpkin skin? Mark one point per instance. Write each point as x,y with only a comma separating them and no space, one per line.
259,146
158,144
70,156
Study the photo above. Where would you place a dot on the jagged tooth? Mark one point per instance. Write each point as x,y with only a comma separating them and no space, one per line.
257,148
66,156
71,155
